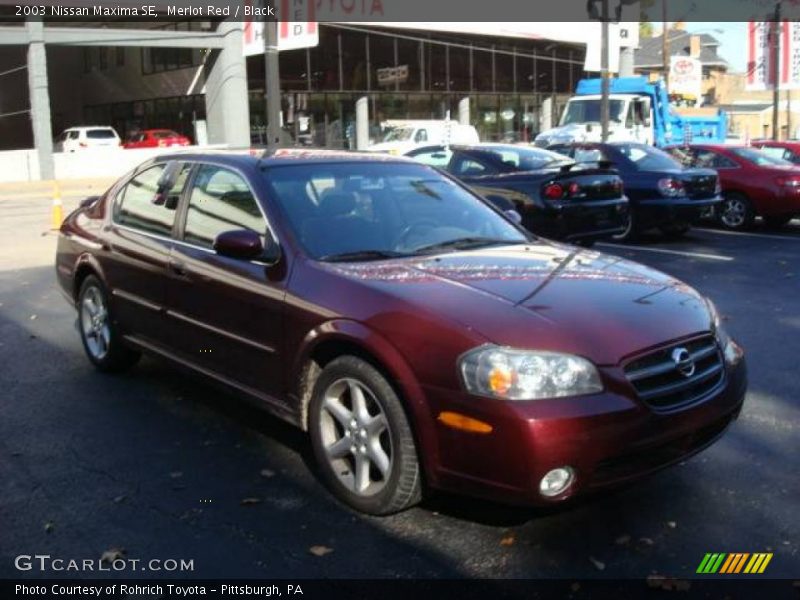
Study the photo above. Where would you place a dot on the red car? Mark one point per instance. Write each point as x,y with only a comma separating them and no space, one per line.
419,335
156,138
754,183
789,151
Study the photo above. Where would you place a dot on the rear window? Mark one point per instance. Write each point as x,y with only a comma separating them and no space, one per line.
758,157
525,159
164,133
647,158
100,134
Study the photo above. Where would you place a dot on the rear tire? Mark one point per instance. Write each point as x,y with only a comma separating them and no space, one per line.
736,212
101,340
777,222
631,231
362,439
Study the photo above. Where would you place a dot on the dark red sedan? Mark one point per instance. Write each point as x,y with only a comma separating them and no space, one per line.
156,138
419,335
754,183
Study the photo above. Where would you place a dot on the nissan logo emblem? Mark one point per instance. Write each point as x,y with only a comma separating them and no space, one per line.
683,362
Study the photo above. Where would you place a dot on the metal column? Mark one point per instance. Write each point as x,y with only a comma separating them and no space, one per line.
40,100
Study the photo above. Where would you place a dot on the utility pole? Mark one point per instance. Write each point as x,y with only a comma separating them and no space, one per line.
776,71
604,47
665,43
272,84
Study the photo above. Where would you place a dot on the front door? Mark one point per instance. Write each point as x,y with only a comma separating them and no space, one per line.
225,314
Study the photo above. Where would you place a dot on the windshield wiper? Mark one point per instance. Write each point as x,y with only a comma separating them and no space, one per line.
362,256
465,244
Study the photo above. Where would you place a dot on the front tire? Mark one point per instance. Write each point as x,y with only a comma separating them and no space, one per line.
362,439
101,340
736,212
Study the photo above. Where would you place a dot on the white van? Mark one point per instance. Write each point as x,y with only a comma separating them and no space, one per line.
82,138
407,135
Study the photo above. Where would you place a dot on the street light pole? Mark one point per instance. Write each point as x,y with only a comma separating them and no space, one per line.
776,70
665,44
272,84
604,67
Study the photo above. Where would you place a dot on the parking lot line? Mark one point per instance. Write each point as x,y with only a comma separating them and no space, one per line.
766,236
664,251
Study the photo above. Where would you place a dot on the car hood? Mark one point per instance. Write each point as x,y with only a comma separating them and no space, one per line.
545,296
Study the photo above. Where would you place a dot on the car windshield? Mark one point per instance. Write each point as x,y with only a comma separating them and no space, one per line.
758,157
100,134
526,159
588,111
399,134
367,211
647,158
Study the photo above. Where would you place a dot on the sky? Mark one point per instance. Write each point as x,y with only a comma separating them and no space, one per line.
732,37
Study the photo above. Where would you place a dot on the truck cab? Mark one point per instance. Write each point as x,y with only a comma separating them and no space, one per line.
631,118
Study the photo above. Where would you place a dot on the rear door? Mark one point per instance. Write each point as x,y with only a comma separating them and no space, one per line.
225,314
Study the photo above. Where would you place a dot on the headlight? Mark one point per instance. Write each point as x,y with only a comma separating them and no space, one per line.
513,374
731,351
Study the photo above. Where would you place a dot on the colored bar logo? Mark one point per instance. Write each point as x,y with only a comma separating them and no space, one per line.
734,563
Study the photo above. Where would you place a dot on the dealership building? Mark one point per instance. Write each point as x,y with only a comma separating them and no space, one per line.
201,79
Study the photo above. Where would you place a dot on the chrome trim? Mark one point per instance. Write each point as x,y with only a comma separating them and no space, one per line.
222,332
118,293
682,385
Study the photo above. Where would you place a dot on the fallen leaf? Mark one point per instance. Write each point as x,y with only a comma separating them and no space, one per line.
49,527
33,317
507,541
672,524
109,556
622,540
119,499
176,474
267,473
250,501
320,550
600,566
645,541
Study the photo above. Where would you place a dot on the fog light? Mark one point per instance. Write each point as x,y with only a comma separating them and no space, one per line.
556,481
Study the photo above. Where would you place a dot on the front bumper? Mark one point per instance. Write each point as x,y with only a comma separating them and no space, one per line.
576,220
663,211
606,438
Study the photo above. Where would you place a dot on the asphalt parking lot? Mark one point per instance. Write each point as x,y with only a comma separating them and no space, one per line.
155,464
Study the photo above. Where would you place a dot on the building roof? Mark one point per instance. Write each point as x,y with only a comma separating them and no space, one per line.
649,54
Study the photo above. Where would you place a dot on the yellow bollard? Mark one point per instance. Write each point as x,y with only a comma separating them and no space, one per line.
57,211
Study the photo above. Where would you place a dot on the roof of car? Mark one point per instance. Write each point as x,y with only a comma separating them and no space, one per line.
286,156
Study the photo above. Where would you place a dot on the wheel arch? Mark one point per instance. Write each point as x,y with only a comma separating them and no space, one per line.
86,265
344,337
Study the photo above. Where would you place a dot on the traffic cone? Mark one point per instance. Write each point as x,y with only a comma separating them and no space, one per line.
57,210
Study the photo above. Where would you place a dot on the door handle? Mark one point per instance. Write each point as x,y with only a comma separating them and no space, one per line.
177,267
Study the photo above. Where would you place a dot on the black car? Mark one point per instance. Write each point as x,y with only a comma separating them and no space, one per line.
663,194
556,197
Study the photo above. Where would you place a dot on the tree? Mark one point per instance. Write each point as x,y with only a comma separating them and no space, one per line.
645,29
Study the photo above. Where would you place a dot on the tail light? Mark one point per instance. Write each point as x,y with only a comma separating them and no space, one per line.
789,182
553,191
670,187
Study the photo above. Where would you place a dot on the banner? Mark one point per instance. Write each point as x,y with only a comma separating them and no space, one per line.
760,69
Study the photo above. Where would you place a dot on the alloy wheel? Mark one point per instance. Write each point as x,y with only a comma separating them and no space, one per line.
734,213
356,437
94,323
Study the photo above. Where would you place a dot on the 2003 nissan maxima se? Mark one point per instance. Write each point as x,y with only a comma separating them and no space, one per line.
421,337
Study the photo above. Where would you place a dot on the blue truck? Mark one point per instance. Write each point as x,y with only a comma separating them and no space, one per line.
639,111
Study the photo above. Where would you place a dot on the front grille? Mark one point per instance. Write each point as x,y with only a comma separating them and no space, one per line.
660,382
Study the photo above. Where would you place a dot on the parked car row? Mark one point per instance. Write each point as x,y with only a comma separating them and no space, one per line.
76,139
422,337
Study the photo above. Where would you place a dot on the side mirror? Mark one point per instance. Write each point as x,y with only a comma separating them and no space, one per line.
513,215
87,202
239,243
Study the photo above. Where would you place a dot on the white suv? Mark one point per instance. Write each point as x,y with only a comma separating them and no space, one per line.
81,138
